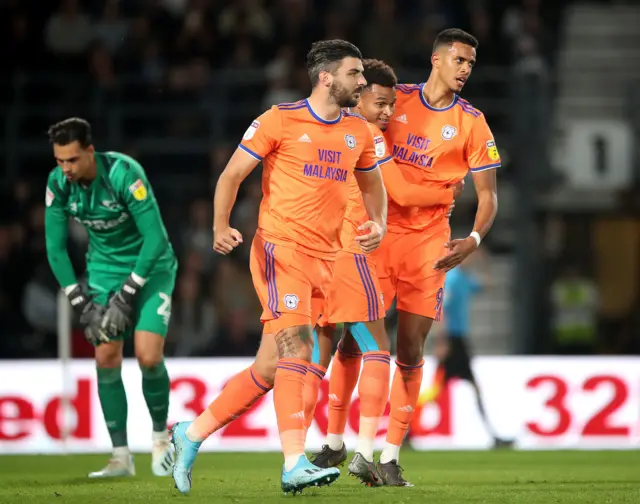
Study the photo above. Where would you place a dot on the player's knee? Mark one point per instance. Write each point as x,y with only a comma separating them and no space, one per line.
148,359
295,343
108,356
265,368
410,351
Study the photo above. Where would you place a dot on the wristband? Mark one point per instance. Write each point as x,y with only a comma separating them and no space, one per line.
476,236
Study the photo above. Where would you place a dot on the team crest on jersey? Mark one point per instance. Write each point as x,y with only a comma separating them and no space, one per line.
251,130
49,197
290,301
378,142
350,140
448,132
138,190
492,150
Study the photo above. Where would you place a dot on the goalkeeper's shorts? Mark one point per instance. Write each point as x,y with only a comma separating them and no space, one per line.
152,310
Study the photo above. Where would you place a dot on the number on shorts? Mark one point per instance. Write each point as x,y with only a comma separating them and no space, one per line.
164,310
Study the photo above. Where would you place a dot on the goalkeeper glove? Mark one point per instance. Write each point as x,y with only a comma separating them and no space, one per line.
89,314
117,318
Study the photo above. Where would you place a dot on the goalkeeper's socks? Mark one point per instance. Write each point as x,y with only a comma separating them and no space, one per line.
113,400
238,395
315,375
405,390
288,398
344,377
374,392
155,389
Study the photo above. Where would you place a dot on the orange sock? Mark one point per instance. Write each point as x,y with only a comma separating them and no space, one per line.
240,393
344,376
315,375
374,392
288,397
404,399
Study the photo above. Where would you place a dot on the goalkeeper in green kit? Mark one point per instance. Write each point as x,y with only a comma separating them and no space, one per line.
131,271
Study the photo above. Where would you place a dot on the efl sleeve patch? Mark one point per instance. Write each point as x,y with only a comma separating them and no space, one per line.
251,130
492,150
138,190
49,197
379,145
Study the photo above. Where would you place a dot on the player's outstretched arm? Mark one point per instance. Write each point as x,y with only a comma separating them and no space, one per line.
374,196
241,164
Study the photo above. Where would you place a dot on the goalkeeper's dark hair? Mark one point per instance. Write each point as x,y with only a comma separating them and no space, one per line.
71,130
378,72
451,35
325,56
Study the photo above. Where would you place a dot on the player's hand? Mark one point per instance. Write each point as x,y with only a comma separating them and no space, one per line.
370,241
90,316
225,240
459,250
91,321
117,318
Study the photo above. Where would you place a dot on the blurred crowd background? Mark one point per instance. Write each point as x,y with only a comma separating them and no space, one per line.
175,83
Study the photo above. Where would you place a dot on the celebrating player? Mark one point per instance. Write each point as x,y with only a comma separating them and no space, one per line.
436,137
354,298
131,269
310,150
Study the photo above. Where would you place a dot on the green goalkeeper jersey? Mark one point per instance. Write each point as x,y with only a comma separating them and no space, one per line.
121,215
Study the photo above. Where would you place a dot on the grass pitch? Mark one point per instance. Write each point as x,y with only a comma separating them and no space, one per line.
440,477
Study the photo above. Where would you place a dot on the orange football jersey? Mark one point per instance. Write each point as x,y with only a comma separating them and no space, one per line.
308,166
356,214
435,148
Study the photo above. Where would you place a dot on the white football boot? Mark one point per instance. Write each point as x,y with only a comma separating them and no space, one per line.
161,454
120,465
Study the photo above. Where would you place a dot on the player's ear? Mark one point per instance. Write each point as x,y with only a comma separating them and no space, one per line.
325,78
435,60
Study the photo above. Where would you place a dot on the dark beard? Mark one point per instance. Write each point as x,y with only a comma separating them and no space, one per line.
342,97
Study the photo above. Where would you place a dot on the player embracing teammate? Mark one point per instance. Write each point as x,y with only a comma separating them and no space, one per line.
436,138
310,151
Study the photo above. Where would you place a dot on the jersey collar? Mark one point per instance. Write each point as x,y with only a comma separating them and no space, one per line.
320,119
426,103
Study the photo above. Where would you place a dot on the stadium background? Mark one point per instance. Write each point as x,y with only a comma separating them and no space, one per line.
174,83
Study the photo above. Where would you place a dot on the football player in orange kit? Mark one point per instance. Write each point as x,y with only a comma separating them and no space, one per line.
311,150
354,299
436,138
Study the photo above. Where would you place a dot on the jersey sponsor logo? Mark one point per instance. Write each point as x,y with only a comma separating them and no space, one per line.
251,130
73,207
111,205
138,190
102,225
49,197
291,301
350,140
448,132
378,143
492,150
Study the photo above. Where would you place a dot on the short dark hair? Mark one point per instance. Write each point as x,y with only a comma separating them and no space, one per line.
378,72
451,35
71,130
325,53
